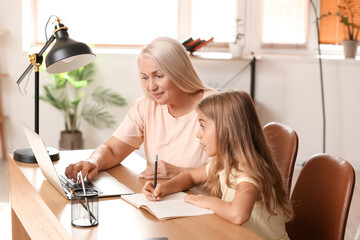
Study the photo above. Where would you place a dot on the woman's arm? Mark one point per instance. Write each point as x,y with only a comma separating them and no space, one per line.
107,155
238,211
111,153
178,183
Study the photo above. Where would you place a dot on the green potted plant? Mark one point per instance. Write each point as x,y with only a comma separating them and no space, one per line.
347,13
236,47
69,93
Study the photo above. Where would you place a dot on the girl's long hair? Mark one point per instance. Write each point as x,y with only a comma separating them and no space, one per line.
241,146
173,60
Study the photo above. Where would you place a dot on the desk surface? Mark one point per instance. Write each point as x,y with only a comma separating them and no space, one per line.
40,212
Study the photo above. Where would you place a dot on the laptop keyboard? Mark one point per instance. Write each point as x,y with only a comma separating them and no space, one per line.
69,184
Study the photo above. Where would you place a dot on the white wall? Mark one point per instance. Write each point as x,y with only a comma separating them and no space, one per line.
287,91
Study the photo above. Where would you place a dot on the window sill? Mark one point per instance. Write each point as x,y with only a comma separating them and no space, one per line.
273,57
202,55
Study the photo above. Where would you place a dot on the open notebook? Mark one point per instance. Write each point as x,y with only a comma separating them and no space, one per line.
105,184
172,206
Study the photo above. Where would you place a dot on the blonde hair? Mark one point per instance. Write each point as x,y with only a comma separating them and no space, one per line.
173,60
241,146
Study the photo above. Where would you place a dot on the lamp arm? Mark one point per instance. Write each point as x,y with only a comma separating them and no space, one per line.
47,44
28,69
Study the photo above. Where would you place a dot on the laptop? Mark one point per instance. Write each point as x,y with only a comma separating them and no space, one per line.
105,184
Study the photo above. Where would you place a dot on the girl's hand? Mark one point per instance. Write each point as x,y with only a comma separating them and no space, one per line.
199,200
151,193
164,171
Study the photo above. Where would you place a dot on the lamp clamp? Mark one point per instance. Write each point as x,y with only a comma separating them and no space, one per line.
36,60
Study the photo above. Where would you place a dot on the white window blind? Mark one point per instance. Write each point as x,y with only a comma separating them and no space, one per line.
136,22
213,18
284,22
109,22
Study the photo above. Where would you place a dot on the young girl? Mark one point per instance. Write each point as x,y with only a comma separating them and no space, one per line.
243,182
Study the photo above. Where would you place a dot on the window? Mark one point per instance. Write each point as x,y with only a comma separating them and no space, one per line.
331,30
136,22
284,22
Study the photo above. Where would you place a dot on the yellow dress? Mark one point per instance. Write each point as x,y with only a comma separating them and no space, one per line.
260,222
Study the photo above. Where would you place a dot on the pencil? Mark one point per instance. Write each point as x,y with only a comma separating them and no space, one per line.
155,174
86,200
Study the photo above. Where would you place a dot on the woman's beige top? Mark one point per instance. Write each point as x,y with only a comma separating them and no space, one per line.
173,139
260,222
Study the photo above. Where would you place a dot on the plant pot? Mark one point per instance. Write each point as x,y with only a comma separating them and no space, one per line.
236,49
350,48
71,141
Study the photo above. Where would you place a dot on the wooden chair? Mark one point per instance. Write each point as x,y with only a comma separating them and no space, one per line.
283,142
321,199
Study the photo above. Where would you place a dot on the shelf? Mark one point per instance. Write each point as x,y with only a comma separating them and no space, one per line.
220,56
212,55
2,75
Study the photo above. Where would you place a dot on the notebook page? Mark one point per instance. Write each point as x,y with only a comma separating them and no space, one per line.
171,206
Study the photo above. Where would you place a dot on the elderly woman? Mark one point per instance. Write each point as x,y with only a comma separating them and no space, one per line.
164,120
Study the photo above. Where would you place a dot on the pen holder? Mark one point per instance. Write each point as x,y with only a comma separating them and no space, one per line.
84,209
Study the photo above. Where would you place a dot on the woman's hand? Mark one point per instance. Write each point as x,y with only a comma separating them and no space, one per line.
164,171
153,194
105,156
86,167
200,200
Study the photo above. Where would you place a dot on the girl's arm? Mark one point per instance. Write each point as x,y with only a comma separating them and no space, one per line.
178,183
238,211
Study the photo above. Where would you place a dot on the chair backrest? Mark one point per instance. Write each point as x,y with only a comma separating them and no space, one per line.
283,142
321,199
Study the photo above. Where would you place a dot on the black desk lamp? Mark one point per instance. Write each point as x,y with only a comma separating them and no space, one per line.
66,55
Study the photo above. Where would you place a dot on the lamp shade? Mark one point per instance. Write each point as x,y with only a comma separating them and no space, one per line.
66,54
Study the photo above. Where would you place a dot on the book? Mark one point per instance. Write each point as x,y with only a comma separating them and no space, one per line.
171,206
